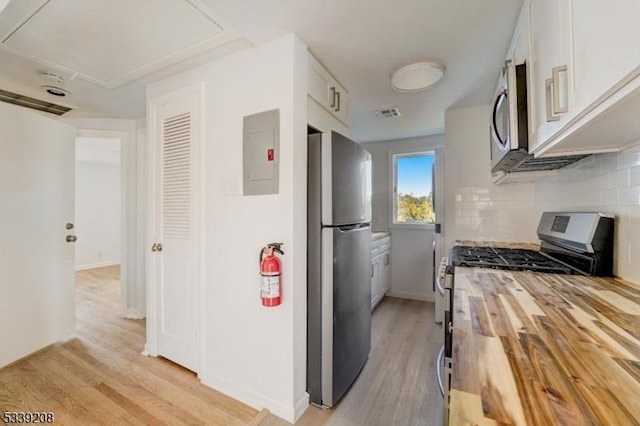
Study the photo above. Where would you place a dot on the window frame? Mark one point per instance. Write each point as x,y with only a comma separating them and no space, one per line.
394,193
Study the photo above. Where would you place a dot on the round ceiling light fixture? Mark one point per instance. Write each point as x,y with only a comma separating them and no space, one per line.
417,76
56,91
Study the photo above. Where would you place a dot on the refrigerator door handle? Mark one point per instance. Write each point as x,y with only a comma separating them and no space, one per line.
439,285
353,228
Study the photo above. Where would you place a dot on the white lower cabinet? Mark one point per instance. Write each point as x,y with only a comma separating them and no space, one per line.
380,269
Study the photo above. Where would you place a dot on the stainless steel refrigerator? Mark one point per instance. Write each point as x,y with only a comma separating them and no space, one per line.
339,265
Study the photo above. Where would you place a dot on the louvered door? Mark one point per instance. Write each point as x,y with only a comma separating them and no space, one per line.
176,248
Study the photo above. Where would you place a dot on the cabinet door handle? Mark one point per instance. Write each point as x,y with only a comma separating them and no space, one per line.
338,107
548,84
557,109
333,97
386,259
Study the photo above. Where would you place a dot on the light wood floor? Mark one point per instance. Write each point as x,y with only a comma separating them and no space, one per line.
398,384
99,377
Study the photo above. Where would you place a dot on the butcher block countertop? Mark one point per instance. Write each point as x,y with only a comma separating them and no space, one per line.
544,349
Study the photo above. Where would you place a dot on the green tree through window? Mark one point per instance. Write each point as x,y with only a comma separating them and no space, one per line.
413,188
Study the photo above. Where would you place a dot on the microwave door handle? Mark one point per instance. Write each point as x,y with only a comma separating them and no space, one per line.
497,138
440,370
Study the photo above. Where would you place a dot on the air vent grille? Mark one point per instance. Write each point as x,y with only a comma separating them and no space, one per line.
532,164
176,176
37,104
388,113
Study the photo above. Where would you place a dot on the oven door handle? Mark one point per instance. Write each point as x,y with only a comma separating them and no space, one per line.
440,370
439,286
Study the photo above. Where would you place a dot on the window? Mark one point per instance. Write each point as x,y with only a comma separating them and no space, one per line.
413,188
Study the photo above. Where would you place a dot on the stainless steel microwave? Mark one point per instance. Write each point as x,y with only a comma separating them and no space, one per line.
509,131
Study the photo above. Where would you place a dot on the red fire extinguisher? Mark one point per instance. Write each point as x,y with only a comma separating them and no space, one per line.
270,281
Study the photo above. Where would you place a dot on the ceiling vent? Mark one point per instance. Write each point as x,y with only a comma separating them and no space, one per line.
388,113
37,104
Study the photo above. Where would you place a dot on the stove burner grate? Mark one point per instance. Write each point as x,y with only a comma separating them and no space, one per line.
508,259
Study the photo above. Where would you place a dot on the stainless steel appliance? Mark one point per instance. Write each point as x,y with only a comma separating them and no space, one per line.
570,243
339,264
509,131
509,127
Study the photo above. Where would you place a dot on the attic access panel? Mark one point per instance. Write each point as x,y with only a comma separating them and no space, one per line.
110,42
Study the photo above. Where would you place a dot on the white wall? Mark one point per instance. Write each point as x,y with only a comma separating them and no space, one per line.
97,217
475,208
255,354
411,247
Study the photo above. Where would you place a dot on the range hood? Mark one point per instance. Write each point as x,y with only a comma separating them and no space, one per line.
532,164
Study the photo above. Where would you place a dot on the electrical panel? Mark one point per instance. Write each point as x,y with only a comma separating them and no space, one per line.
261,153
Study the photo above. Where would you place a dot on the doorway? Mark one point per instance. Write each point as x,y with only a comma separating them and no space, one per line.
97,151
98,203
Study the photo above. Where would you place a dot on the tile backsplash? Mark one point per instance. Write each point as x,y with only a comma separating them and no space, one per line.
608,183
477,209
495,212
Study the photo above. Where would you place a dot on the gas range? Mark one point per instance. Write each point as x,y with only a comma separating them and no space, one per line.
570,243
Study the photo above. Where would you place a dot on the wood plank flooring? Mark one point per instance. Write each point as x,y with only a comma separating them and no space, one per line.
398,385
99,377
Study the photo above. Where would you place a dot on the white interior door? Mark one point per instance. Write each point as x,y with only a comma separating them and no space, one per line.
176,229
37,286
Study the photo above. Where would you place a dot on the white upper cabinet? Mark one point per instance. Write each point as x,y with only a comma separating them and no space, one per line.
325,90
584,75
519,48
550,69
606,37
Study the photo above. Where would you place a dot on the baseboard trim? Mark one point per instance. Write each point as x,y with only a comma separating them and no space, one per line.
97,265
134,314
301,405
146,351
249,397
409,295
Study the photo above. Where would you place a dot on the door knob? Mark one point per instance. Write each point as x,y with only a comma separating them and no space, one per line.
69,225
156,247
71,238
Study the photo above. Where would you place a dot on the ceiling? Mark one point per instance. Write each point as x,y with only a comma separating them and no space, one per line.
106,56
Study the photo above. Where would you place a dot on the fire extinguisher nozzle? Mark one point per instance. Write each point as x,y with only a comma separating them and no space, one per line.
277,247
